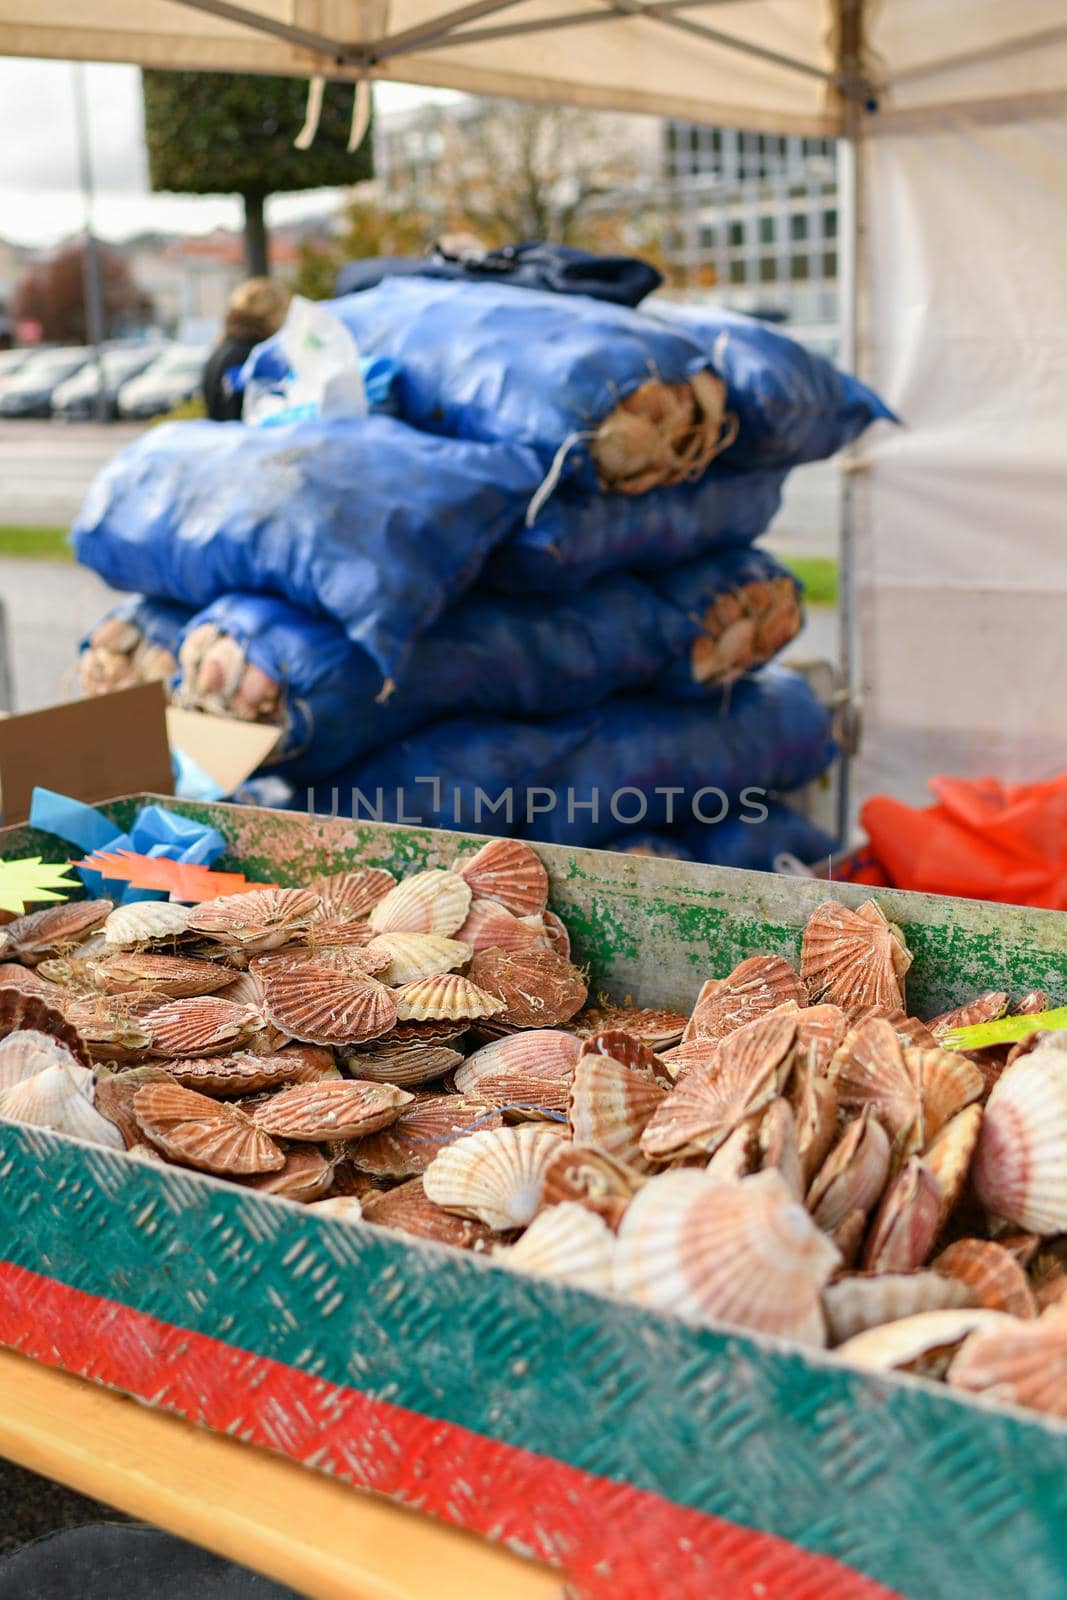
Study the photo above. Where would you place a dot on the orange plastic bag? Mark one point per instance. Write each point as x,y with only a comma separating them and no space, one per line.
983,839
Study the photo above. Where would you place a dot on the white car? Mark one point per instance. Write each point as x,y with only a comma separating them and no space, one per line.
173,377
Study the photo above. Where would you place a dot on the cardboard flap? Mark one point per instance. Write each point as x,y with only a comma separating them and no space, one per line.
228,750
88,749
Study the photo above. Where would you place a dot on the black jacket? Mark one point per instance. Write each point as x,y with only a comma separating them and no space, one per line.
223,401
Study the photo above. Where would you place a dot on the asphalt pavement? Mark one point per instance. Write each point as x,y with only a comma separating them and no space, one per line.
45,467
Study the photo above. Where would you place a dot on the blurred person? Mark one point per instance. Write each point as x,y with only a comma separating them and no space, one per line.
256,310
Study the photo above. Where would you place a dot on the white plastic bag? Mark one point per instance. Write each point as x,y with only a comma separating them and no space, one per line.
325,378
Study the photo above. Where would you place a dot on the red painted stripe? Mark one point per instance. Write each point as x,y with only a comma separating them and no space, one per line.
613,1540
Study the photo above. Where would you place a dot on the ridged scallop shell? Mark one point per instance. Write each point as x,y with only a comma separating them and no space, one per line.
495,1176
37,934
228,1077
707,1104
145,922
204,1026
175,976
858,1301
60,1097
820,1033
489,926
991,1273
743,1253
681,1058
544,1054
611,1104
259,919
342,1110
418,955
922,1343
1020,1167
1020,1363
314,1002
109,1027
26,1053
986,1008
629,1051
209,1134
907,1222
306,1176
426,1032
28,981
778,1146
590,1178
351,896
406,1065
659,1029
947,1083
852,958
113,1094
427,902
568,1242
21,1009
539,988
814,1100
408,1145
739,1155
848,1236
407,1209
341,1207
870,1070
949,1157
448,997
755,986
854,1175
556,935
510,872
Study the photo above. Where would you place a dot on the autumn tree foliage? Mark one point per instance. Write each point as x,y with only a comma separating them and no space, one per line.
53,294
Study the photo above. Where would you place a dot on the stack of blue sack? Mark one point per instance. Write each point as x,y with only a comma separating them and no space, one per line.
528,601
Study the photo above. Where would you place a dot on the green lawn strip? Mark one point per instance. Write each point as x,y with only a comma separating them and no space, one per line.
34,544
819,575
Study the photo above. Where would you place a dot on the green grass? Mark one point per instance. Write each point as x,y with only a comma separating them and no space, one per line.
35,544
819,576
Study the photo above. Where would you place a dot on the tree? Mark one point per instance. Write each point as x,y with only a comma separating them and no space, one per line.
54,295
220,133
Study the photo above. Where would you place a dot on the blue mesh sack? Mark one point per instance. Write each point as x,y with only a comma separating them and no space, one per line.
626,280
746,606
751,835
576,535
365,521
257,656
135,642
791,405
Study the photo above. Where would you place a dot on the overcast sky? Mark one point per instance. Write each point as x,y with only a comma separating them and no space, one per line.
40,200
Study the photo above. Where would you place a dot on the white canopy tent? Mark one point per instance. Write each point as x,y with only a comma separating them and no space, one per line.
955,179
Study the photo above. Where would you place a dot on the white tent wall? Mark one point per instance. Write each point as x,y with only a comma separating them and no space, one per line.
961,516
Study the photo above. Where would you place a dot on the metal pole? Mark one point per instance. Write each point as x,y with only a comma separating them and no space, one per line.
91,278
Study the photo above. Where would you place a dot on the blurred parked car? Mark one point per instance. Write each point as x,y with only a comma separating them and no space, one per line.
75,400
28,392
173,377
12,360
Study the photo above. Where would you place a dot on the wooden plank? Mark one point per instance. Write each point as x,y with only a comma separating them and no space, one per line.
311,1532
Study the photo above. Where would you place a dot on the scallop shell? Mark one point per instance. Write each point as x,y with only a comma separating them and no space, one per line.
346,1109
858,1301
145,922
175,976
60,1097
260,919
1032,1004
848,1236
556,934
226,1077
306,1175
590,1178
314,1002
947,1083
924,1342
427,902
629,1051
906,1223
20,1009
209,1134
870,1070
986,1008
854,1175
412,956
1021,1363
26,1053
852,958
544,1054
447,997
28,982
406,1065
658,1029
205,1026
508,871
778,1146
409,1144
1019,1170
408,1209
569,1242
495,1176
113,1095
489,926
351,896
694,1053
814,1100
708,1103
539,988
949,1157
611,1104
342,1207
743,1253
820,1032
37,934
757,985
739,1155
425,1032
991,1273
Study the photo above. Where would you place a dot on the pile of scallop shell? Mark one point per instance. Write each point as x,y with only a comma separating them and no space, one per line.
799,1156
